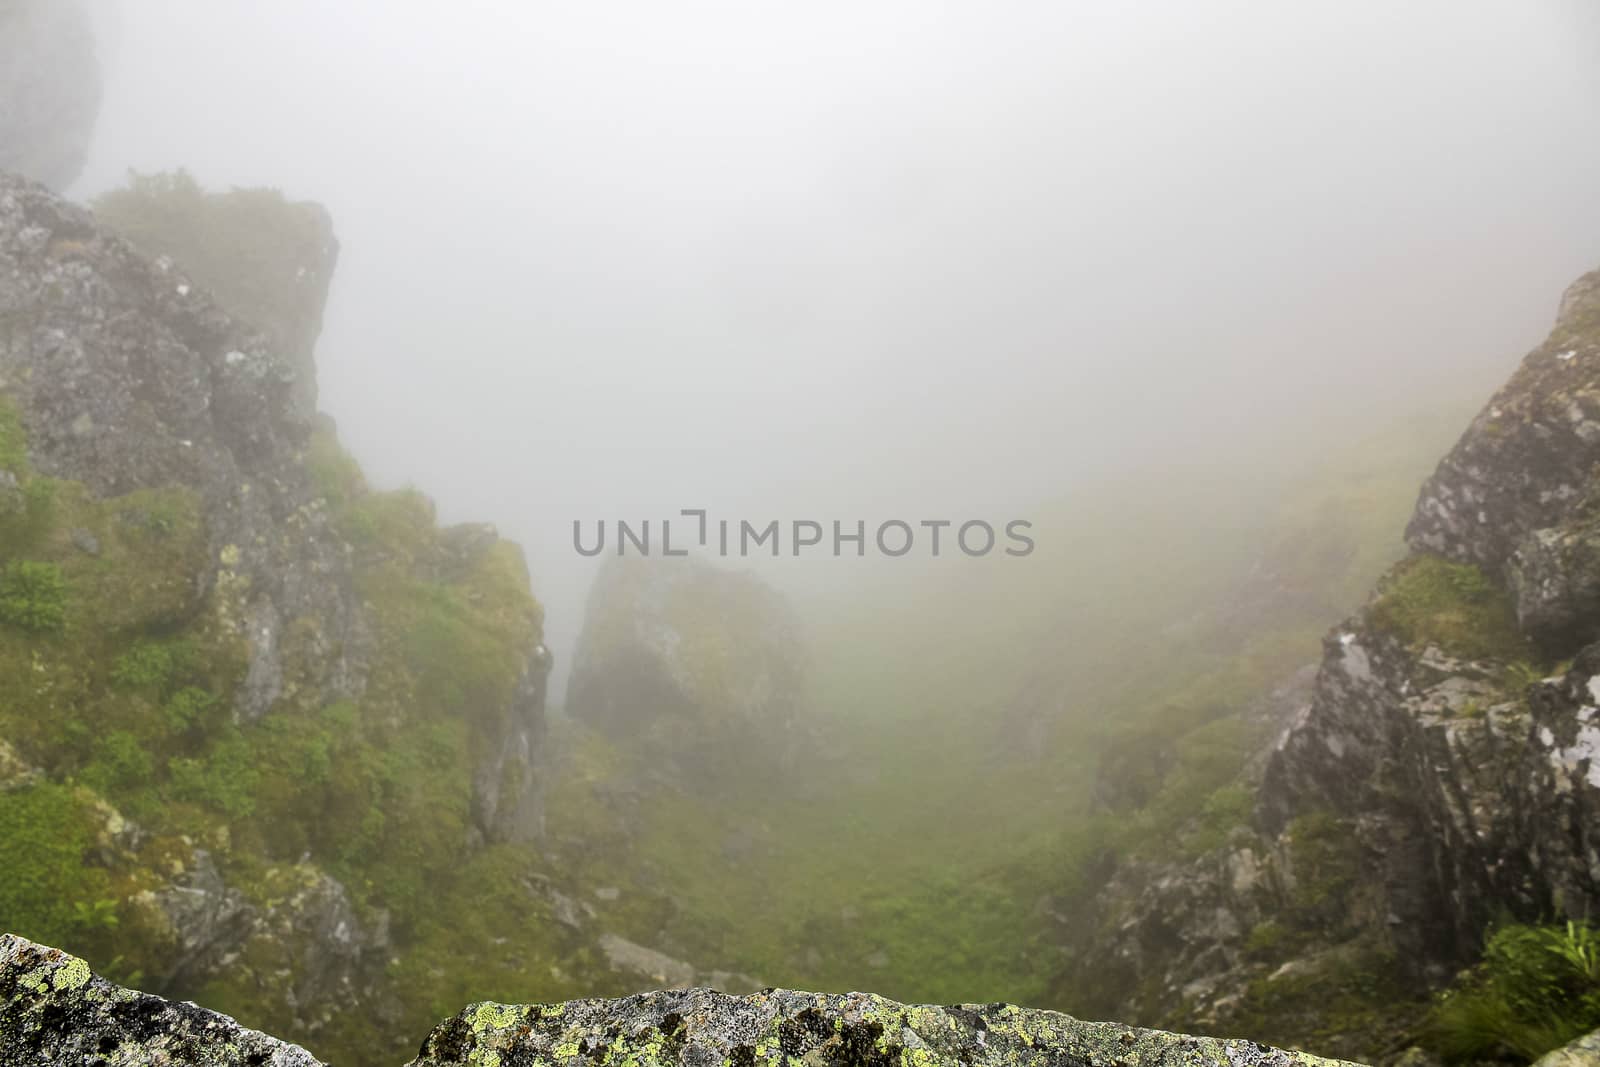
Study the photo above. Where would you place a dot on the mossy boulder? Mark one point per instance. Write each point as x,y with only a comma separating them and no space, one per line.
697,670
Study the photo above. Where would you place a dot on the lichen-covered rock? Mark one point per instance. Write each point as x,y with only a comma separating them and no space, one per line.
703,1028
49,89
675,652
54,1011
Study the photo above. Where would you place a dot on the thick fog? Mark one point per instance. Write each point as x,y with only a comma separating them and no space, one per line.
879,259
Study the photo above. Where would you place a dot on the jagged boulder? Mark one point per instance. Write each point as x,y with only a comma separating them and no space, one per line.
54,1011
49,89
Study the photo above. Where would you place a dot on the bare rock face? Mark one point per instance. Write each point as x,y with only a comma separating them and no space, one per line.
49,89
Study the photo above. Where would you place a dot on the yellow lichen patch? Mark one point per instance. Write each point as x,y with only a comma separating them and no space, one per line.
73,974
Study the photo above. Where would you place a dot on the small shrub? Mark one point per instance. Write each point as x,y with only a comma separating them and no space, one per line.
224,780
145,665
33,596
191,709
120,762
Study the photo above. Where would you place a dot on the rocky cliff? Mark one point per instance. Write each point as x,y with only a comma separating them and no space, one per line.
264,709
54,1010
1444,773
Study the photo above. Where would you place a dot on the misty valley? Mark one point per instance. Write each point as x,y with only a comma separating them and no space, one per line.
1141,603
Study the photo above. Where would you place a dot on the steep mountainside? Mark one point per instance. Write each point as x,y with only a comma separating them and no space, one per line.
1444,775
268,738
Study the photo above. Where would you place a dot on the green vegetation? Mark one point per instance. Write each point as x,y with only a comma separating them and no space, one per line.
1537,989
48,829
33,595
1427,600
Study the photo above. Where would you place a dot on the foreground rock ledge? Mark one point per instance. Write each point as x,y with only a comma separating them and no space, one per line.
54,1011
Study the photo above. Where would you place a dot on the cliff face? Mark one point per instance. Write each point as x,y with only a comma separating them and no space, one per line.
1445,771
54,1010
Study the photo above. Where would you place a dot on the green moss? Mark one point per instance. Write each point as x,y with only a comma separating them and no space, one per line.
1428,600
48,830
